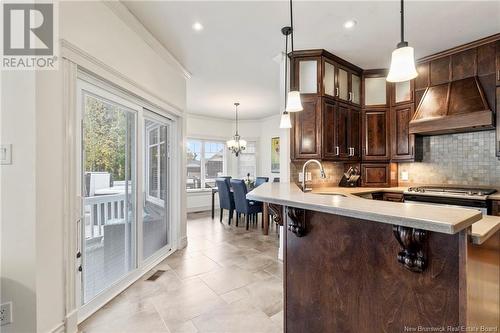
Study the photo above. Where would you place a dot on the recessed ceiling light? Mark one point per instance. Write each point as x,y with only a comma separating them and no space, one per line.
197,26
350,24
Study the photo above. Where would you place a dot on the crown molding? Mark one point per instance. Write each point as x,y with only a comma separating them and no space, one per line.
120,10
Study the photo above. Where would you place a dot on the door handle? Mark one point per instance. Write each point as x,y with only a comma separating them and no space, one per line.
350,96
337,151
337,92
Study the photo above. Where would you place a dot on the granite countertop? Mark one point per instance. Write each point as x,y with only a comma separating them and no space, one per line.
449,220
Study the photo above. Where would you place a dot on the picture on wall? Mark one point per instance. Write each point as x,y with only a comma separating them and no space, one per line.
275,155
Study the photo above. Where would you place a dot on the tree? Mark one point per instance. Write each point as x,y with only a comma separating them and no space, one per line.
105,135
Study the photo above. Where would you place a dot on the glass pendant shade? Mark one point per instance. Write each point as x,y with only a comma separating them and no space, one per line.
402,65
285,120
294,104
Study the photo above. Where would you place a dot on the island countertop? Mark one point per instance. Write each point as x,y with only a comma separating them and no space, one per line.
449,220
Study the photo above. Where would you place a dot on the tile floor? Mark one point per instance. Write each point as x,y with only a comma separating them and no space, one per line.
226,280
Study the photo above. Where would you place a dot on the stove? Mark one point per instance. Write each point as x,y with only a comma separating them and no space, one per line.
464,197
476,193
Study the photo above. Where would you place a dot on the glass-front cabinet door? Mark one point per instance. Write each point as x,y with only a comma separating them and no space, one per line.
329,84
308,76
402,92
343,84
375,91
355,89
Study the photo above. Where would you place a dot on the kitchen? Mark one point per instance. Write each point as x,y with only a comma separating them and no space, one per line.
393,203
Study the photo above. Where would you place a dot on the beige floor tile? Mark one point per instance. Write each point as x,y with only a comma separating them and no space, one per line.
195,266
267,295
228,279
188,302
238,317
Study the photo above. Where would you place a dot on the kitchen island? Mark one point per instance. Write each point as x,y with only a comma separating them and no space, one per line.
357,265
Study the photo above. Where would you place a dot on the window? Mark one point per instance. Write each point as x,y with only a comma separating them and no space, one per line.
156,150
247,161
205,162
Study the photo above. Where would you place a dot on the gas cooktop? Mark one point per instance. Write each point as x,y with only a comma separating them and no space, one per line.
453,191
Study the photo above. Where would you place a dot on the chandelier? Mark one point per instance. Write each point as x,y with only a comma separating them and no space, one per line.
236,145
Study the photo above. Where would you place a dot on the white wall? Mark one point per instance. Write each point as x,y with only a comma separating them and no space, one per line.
261,130
17,204
32,188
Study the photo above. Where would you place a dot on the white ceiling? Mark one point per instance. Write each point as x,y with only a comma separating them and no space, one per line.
231,59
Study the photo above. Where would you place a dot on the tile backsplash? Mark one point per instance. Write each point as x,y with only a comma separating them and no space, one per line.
456,159
334,172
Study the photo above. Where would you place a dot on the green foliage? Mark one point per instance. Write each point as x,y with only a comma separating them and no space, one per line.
104,131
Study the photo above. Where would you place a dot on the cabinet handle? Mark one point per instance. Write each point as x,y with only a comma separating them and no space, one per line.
337,92
337,151
350,96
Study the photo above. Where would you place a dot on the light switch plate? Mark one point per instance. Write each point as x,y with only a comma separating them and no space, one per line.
5,154
5,313
404,176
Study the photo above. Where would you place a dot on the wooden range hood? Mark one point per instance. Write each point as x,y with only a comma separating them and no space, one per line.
452,107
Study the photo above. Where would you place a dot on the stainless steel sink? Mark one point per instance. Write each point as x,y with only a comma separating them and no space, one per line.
330,194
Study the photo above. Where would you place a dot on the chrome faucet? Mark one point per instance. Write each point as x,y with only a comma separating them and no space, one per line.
304,168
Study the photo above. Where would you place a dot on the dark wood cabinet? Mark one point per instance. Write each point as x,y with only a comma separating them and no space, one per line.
341,135
403,143
495,207
306,128
498,122
394,197
497,69
375,174
375,136
329,126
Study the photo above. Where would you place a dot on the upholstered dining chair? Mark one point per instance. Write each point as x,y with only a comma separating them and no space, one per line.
226,197
261,180
249,208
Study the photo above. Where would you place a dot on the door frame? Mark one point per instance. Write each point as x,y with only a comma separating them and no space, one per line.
75,68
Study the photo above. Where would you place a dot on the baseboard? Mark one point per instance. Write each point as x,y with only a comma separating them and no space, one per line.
61,328
183,242
72,322
199,209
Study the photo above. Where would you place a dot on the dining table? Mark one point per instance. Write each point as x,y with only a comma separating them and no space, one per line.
265,210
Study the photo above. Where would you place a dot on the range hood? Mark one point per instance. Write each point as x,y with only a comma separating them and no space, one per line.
453,107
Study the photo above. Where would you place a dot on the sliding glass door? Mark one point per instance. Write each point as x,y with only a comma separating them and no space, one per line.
109,190
126,182
155,226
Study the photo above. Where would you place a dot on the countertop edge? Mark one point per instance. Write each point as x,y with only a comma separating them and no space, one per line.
371,216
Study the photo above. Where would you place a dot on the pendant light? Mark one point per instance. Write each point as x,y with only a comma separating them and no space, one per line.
403,59
285,121
293,103
236,145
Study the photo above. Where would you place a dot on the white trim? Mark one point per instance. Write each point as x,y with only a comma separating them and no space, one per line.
97,68
183,242
71,190
199,209
132,22
61,328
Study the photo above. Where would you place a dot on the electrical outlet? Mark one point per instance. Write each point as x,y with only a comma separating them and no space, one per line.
308,176
6,154
404,176
301,176
5,313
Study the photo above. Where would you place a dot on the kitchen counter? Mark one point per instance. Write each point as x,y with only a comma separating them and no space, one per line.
484,229
447,220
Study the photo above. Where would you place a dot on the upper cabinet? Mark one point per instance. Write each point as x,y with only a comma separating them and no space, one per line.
402,92
320,73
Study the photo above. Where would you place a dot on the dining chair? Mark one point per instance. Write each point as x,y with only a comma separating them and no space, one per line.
244,206
261,180
226,197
